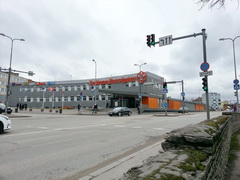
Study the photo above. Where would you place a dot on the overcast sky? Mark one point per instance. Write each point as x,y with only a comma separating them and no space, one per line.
63,36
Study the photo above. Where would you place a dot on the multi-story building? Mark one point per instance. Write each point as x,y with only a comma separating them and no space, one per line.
15,78
214,100
125,90
131,90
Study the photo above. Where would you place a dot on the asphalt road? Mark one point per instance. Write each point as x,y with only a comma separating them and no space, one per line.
57,146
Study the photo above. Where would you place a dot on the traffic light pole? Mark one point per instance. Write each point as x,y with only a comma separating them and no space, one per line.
205,60
204,36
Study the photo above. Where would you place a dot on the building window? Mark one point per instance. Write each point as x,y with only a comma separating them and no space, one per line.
65,99
90,98
103,97
28,99
97,97
71,98
66,88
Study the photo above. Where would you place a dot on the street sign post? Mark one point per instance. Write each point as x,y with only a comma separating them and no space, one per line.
235,81
163,41
165,91
204,66
206,73
165,105
236,86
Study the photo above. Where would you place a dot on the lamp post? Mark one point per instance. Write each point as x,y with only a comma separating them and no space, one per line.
95,89
140,88
10,67
234,59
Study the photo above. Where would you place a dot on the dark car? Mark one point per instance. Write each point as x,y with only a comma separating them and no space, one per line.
119,111
2,109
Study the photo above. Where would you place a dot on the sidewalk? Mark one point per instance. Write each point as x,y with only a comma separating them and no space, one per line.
116,170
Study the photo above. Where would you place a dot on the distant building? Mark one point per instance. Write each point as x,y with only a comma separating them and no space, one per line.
15,78
214,100
198,100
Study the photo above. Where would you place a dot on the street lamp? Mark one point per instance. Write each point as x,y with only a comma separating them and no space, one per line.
10,67
95,90
234,58
140,88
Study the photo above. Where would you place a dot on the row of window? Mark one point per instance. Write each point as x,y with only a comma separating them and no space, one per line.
13,78
65,99
77,88
63,88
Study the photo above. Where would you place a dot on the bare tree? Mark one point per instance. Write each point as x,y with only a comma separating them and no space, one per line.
213,3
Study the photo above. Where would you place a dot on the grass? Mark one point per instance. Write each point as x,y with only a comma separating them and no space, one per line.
217,121
234,146
194,160
164,177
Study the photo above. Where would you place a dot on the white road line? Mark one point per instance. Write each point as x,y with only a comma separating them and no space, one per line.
137,127
117,125
43,127
46,129
159,129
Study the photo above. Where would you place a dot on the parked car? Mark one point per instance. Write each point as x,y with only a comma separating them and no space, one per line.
181,110
119,111
5,123
2,109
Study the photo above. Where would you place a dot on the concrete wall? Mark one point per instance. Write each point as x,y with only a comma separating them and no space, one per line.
196,152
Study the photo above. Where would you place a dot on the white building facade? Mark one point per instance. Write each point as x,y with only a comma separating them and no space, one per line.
15,78
214,100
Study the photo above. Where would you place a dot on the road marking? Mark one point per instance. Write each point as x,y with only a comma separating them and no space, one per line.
159,129
137,127
46,129
117,125
43,127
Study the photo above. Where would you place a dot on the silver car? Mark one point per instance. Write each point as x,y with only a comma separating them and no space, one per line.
5,123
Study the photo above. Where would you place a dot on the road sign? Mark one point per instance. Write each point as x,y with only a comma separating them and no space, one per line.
165,91
183,94
163,41
236,86
165,105
204,66
206,73
235,81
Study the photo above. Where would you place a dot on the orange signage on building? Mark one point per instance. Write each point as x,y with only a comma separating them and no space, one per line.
115,81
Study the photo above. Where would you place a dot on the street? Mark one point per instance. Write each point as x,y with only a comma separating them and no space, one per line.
60,146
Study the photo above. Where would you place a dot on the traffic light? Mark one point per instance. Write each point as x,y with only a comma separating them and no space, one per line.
149,40
204,83
164,85
153,39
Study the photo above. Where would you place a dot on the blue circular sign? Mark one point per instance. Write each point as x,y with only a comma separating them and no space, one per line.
235,81
165,104
204,66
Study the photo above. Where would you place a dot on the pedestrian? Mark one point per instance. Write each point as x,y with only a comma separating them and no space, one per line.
234,108
25,106
79,107
138,109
